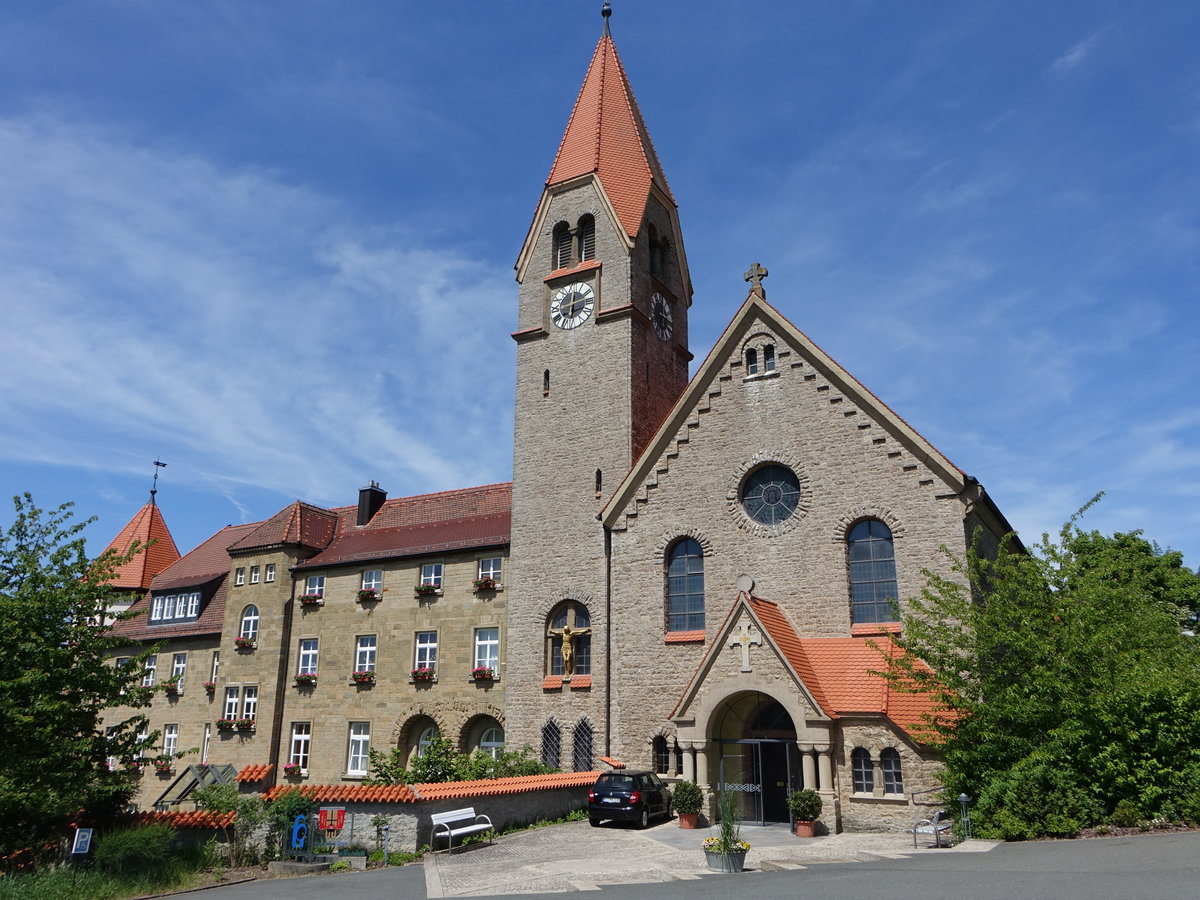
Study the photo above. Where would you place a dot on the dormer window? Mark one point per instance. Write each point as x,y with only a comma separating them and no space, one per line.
175,607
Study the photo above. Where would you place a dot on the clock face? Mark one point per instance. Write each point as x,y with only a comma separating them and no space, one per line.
660,315
572,305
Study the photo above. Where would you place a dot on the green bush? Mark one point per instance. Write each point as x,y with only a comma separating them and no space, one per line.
688,797
144,853
1126,815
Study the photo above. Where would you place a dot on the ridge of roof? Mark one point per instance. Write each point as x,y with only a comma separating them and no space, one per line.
297,523
149,528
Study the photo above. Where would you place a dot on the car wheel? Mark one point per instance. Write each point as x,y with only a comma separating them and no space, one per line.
595,823
644,821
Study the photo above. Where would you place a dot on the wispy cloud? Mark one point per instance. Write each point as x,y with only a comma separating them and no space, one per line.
1076,55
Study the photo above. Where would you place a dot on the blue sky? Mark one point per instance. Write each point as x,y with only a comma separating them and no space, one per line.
272,243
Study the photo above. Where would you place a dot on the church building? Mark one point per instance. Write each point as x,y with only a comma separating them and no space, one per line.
695,576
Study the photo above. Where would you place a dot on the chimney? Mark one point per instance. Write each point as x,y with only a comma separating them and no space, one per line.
370,499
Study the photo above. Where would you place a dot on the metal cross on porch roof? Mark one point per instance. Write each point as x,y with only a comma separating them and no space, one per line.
748,635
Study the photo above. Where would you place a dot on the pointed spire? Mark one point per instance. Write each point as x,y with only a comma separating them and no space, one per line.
606,135
147,525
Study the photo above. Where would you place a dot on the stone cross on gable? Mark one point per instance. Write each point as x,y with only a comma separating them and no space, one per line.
748,635
755,274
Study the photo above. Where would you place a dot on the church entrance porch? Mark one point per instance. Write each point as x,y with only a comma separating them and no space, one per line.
757,760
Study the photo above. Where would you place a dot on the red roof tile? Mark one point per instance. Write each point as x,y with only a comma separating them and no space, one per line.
413,540
186,819
299,523
403,793
613,763
253,773
147,525
607,135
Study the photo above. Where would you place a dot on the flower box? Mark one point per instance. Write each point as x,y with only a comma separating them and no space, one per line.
363,677
483,673
311,599
292,770
422,673
245,724
210,686
367,594
226,724
306,679
485,584
427,590
244,643
171,688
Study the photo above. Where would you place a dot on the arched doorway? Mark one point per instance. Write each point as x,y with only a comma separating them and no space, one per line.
757,755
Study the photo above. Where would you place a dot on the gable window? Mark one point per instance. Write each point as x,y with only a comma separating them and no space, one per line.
178,669
562,246
551,744
582,747
569,640
364,657
301,742
150,670
270,573
685,586
170,739
769,358
254,573
308,657
431,573
315,585
426,656
864,774
487,648
231,703
889,763
372,580
751,361
872,572
771,494
587,238
239,575
249,626
250,701
490,568
360,745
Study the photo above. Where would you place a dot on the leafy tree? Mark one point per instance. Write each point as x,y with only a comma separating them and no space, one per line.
1066,679
57,680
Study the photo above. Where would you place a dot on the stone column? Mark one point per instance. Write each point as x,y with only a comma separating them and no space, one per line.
808,765
824,767
689,760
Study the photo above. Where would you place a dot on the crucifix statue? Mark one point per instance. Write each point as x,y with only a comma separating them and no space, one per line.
568,635
748,635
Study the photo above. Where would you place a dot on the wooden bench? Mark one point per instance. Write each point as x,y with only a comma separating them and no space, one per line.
940,824
458,823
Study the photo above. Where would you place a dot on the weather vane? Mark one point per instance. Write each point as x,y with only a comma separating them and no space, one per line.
158,464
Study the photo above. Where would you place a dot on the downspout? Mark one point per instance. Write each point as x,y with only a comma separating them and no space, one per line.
607,641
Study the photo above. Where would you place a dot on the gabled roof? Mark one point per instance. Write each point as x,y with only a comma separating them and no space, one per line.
147,527
606,135
299,523
756,309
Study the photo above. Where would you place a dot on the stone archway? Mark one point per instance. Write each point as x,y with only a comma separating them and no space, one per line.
753,752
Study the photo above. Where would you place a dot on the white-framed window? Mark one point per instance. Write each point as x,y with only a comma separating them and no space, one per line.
255,571
142,736
121,662
490,568
250,701
301,742
156,611
170,739
431,573
372,580
308,657
178,669
151,669
169,607
239,575
193,604
207,742
270,573
492,742
487,648
360,743
364,657
180,606
315,585
893,778
427,736
426,650
231,703
216,664
249,626
110,735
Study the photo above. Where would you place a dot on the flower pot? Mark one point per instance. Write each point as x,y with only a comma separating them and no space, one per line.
719,861
688,820
804,829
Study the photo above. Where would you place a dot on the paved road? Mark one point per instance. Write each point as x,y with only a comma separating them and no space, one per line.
1145,867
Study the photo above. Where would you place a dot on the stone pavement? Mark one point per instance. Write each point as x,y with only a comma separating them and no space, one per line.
577,857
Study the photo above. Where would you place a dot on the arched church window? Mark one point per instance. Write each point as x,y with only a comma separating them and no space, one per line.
427,736
655,251
551,744
872,572
492,742
569,640
249,626
751,361
769,358
685,586
581,745
587,238
662,755
893,779
562,246
863,773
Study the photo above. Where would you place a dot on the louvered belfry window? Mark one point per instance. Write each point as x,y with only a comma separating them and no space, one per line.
587,238
562,246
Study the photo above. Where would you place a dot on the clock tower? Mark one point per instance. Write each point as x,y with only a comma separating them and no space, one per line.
602,356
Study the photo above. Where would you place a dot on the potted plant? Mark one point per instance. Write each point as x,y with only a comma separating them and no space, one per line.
485,584
226,724
805,807
306,679
688,799
426,590
164,765
363,676
210,686
367,594
245,724
727,851
310,599
171,687
422,673
483,673
244,643
292,770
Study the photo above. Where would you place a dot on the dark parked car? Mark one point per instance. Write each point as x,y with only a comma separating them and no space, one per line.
628,796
